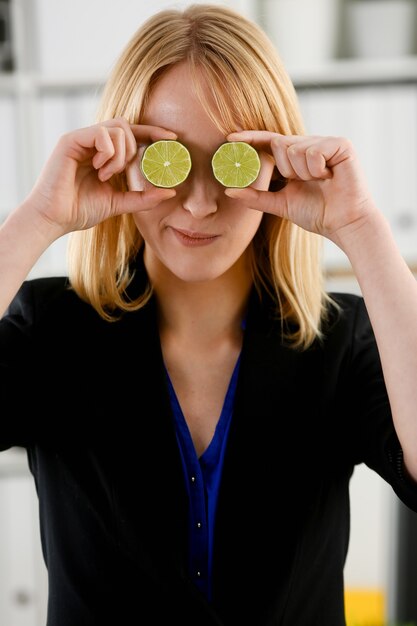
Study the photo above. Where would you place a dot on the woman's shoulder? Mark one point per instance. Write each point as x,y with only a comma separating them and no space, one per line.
38,296
38,290
346,299
347,318
49,287
345,306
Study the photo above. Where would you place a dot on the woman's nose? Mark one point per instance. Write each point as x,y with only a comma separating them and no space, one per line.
200,195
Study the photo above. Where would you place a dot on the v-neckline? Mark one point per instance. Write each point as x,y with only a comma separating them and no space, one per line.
210,454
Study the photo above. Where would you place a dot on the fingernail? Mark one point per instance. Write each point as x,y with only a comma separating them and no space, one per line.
104,175
232,193
165,193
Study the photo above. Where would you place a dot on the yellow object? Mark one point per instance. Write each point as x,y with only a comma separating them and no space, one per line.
365,607
166,163
236,164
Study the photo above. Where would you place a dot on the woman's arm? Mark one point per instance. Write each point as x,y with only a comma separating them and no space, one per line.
390,293
23,239
327,193
73,192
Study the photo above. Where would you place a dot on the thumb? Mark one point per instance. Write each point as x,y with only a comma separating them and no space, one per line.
265,201
132,201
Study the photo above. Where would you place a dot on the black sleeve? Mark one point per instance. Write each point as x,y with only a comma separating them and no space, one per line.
18,360
373,436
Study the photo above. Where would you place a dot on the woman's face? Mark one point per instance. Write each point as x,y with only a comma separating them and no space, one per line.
200,234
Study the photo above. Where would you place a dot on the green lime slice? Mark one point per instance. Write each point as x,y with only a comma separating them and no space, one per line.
236,164
166,163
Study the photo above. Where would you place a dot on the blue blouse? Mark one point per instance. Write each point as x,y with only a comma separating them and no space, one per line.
202,479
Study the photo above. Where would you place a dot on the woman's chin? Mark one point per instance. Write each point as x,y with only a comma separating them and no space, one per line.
196,275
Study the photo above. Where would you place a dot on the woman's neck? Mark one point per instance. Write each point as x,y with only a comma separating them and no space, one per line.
202,312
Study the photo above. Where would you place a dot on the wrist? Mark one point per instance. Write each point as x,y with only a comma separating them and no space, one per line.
373,252
370,230
28,217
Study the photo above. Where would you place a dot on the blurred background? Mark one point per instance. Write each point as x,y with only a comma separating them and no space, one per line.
354,65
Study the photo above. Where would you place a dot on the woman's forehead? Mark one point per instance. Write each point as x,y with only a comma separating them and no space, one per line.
185,96
174,104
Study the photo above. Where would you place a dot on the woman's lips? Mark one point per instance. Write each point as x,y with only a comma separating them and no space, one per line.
193,238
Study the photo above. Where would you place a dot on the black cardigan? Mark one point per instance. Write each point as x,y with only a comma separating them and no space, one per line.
87,399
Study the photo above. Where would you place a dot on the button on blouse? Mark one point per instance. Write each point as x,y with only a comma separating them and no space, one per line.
202,479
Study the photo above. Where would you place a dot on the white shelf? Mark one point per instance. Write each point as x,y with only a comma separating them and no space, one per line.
356,71
9,84
13,462
338,72
27,83
68,83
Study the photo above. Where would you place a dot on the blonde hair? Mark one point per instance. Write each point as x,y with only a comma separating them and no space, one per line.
222,48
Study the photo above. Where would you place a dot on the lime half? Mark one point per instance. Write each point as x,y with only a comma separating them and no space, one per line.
236,164
166,163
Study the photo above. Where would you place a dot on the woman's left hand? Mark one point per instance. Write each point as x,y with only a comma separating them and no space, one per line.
326,191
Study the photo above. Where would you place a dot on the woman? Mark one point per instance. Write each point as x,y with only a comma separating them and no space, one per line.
192,401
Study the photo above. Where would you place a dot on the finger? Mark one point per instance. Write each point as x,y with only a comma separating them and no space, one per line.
335,150
277,145
258,138
124,138
282,158
304,156
298,160
118,161
145,132
80,143
265,201
316,163
133,201
131,145
263,138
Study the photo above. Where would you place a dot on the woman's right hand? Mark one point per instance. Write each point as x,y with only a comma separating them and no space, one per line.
73,191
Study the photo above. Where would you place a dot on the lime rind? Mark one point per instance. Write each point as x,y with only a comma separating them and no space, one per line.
166,163
236,164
